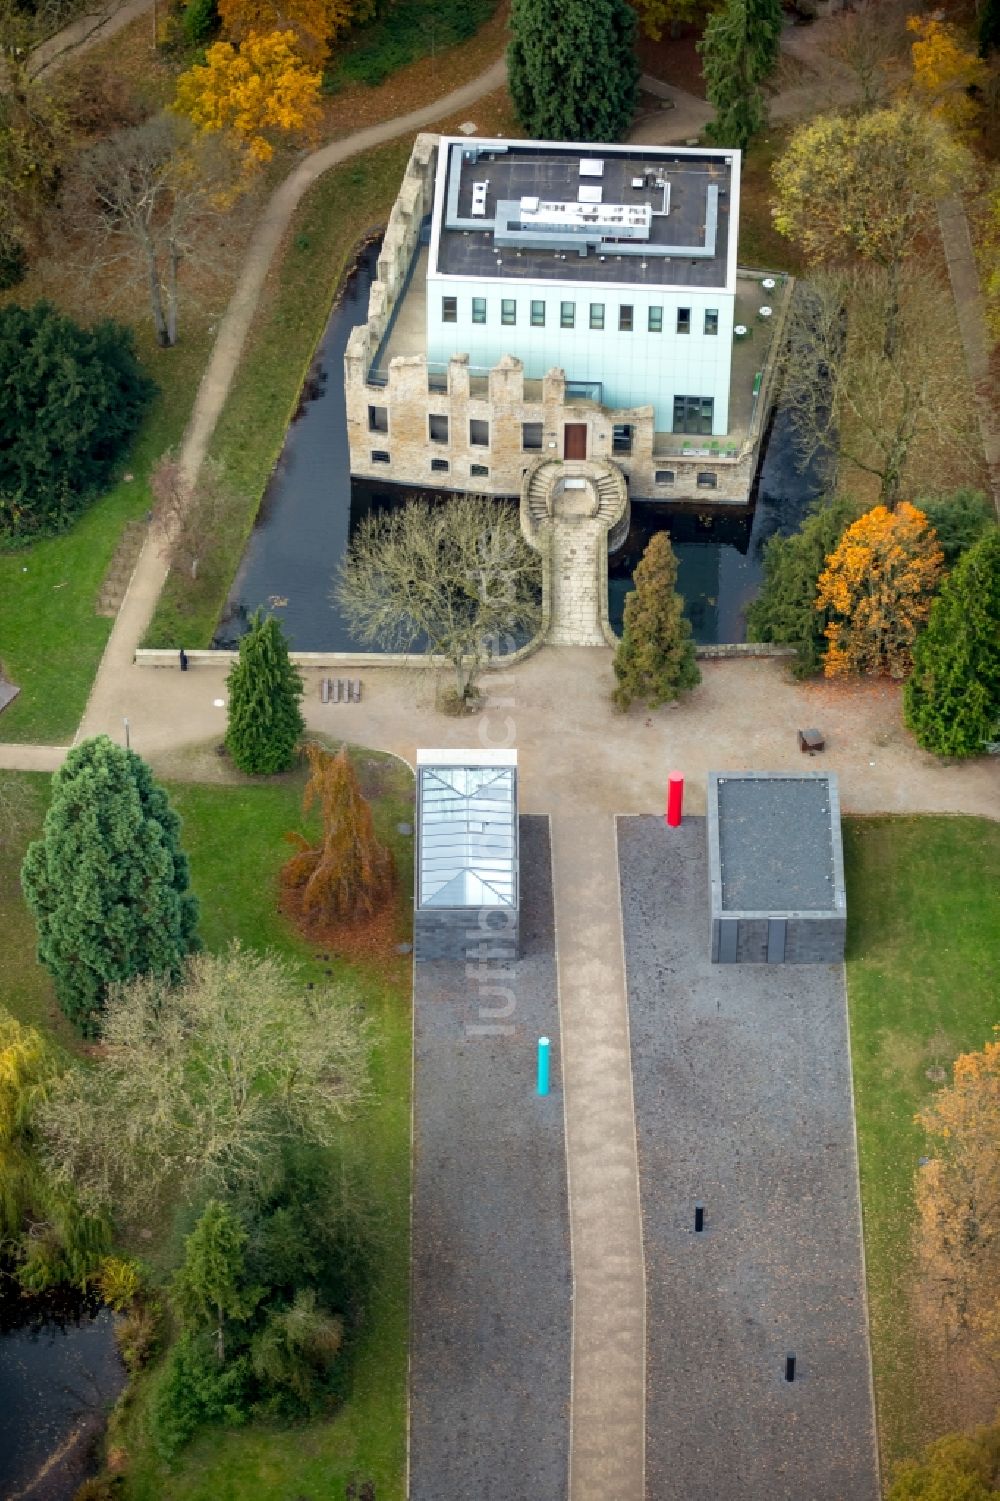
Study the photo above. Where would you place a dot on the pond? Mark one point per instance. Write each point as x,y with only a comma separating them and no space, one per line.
60,1375
311,505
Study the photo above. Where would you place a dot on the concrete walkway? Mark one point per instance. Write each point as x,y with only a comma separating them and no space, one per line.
607,1442
86,31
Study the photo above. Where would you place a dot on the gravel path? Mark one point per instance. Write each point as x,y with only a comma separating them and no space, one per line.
490,1335
743,1101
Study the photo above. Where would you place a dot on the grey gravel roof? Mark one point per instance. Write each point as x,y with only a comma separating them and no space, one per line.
776,839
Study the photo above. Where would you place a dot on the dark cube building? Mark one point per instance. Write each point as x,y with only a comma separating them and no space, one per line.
467,853
776,868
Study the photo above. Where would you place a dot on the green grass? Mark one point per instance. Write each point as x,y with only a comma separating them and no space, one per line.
234,836
50,638
922,973
323,240
761,246
410,30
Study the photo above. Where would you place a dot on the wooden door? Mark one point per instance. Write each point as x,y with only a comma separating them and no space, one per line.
575,440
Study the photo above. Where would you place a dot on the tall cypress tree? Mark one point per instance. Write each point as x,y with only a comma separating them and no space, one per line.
571,68
952,699
265,721
739,51
655,657
108,882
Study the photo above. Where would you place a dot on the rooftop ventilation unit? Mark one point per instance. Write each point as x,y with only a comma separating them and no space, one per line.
591,166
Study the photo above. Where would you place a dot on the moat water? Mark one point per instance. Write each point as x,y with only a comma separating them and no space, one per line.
311,506
60,1375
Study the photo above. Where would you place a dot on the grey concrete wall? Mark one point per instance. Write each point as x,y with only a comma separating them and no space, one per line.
815,939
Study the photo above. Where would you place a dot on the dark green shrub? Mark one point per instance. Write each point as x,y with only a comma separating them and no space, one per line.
194,1389
200,22
785,610
411,29
72,399
959,519
13,260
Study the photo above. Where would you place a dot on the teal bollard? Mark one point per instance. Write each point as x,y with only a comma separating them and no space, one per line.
543,1065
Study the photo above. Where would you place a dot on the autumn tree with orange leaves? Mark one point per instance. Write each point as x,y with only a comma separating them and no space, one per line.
259,90
958,1195
349,875
878,585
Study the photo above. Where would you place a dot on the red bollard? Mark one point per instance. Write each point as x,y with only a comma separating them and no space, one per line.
675,798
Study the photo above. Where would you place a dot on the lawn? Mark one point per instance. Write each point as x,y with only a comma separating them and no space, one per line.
238,893
326,232
922,966
50,638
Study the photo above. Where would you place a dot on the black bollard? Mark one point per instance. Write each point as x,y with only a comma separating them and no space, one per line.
789,1367
184,660
699,1218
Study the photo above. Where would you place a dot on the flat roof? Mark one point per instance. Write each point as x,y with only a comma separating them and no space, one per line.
466,829
632,215
779,841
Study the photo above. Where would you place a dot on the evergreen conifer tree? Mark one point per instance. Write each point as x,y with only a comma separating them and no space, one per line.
265,721
952,699
655,658
739,52
571,68
107,882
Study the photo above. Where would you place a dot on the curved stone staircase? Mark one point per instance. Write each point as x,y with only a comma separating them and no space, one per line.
570,510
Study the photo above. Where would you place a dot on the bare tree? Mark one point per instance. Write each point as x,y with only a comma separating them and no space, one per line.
899,414
454,577
149,196
190,517
202,1084
868,38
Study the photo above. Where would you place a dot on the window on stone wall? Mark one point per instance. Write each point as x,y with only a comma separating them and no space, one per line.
479,432
531,435
625,318
437,427
538,315
621,438
379,456
664,476
449,309
597,315
683,320
508,311
378,419
707,479
479,309
693,414
439,466
654,321
567,315
711,320
478,471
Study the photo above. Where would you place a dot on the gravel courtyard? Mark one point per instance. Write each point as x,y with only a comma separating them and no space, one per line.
491,1311
743,1102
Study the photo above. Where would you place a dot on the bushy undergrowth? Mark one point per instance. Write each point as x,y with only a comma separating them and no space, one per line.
408,30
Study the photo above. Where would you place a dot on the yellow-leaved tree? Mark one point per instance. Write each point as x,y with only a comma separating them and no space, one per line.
256,91
878,585
958,1194
316,23
865,185
943,72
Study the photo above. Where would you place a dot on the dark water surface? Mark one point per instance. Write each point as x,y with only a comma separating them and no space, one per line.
311,505
60,1374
